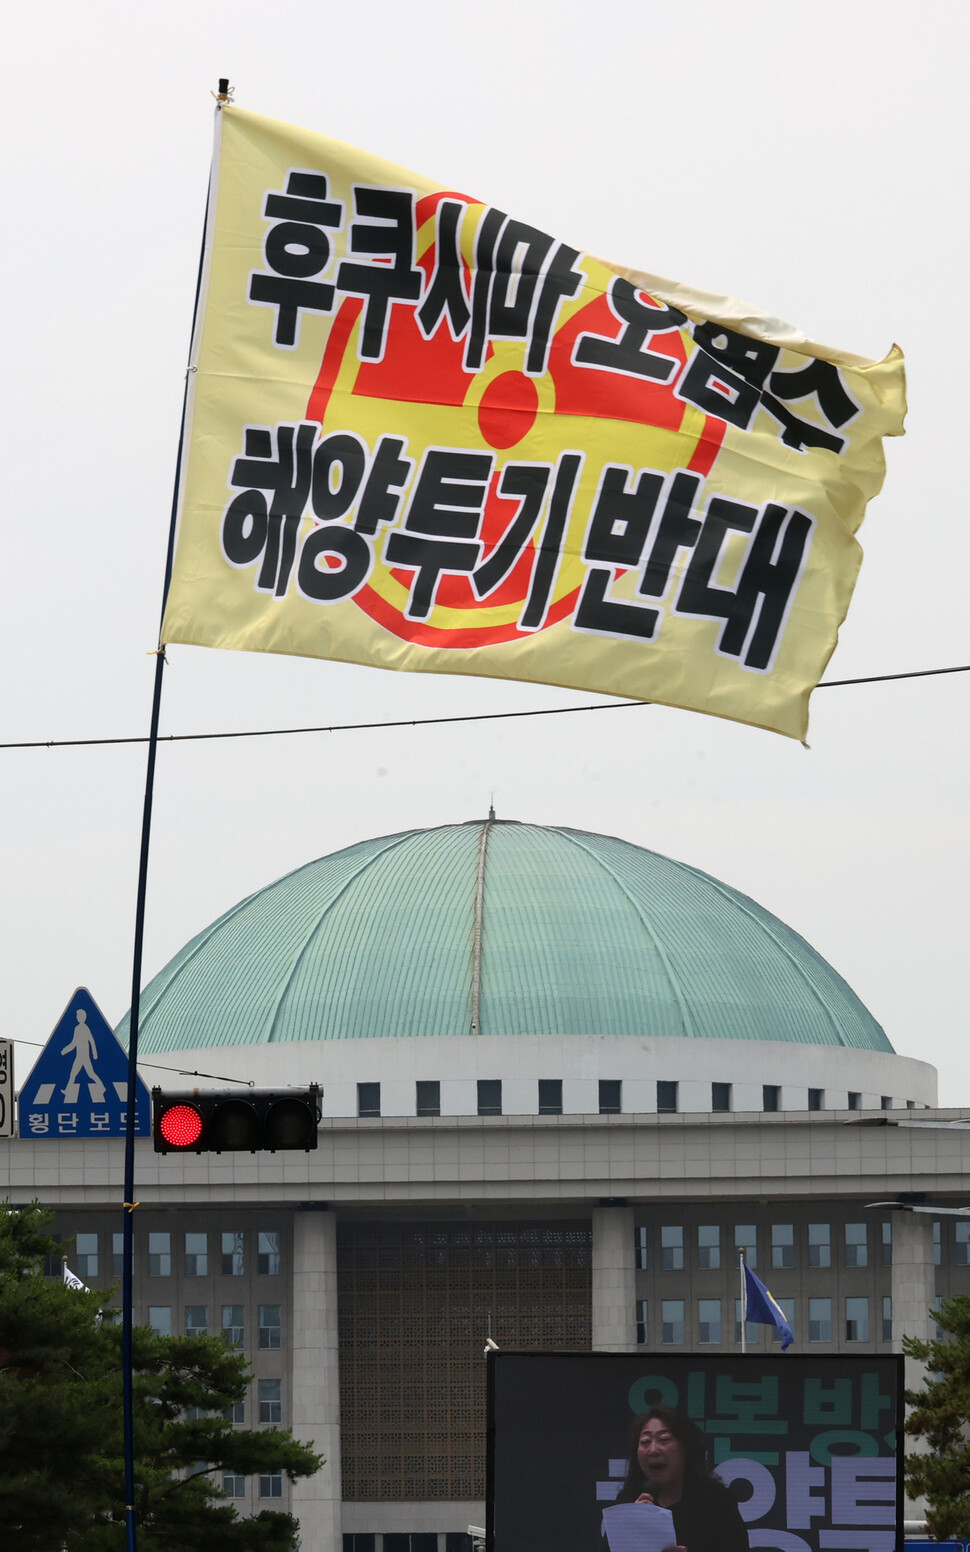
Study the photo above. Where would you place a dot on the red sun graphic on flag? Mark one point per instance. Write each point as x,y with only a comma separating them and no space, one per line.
570,418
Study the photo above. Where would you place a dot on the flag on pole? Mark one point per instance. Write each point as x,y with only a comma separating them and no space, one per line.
761,1308
71,1279
423,434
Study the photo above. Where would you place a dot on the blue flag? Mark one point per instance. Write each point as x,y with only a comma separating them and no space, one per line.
763,1309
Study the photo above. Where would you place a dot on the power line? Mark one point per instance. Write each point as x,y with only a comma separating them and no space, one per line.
485,716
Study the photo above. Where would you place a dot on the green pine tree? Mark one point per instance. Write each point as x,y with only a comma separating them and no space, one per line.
941,1415
61,1452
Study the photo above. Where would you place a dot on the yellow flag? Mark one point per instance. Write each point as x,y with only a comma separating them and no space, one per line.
423,434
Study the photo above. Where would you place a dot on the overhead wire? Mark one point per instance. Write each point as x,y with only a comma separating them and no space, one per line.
483,716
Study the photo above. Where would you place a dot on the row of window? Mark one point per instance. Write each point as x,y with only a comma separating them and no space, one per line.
816,1245
709,1321
270,1484
610,1096
268,1329
196,1262
408,1541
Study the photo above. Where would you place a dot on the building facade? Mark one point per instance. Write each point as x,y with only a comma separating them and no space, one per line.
566,1082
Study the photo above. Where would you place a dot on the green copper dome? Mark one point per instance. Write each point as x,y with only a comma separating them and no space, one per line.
498,928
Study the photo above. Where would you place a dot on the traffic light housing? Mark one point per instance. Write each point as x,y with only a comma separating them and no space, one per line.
236,1121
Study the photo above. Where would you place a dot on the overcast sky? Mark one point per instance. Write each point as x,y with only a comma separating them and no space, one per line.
807,157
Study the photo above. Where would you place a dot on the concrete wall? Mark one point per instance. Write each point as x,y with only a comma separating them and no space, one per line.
579,1061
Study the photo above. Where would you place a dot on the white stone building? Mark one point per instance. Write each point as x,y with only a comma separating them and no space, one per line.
565,1080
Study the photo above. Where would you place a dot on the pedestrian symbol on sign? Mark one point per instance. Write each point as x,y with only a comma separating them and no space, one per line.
85,1052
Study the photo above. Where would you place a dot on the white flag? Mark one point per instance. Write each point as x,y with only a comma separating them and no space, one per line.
71,1280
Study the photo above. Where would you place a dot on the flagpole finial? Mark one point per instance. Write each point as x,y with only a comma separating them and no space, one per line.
225,92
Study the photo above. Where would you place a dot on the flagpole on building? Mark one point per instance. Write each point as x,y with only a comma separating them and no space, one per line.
744,1305
127,1365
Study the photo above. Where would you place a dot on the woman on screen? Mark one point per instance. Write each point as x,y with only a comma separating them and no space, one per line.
668,1466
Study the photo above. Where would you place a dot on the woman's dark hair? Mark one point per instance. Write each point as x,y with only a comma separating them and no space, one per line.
688,1436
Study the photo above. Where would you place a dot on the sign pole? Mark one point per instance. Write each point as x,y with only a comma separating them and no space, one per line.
130,1203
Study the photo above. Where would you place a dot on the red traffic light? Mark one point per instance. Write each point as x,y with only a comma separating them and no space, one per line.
180,1125
247,1121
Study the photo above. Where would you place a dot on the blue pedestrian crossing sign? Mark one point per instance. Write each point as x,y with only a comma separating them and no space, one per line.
78,1086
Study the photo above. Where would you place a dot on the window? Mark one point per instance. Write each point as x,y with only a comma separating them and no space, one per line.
819,1244
159,1255
489,1096
428,1097
233,1485
53,1264
86,1255
160,1319
416,1541
610,1095
672,1247
672,1321
268,1253
455,1541
708,1247
746,1239
787,1307
856,1245
117,1255
270,1401
196,1320
887,1244
550,1096
233,1264
820,1320
708,1320
887,1318
885,1102
366,1542
235,1413
720,1097
816,1099
271,1484
368,1103
643,1325
937,1243
857,1320
269,1325
666,1099
961,1250
196,1255
234,1325
753,1331
640,1248
770,1096
855,1100
937,1305
782,1245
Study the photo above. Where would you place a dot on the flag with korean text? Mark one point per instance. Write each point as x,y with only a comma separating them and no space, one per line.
423,434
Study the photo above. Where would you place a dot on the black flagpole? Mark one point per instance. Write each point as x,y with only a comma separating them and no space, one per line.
127,1367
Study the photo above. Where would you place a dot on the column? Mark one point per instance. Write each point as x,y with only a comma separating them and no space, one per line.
315,1382
614,1286
914,1291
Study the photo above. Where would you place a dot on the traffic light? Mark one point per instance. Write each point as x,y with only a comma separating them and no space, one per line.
230,1121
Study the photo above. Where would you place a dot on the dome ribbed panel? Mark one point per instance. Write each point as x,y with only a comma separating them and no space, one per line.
317,954
581,934
396,958
741,972
564,950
